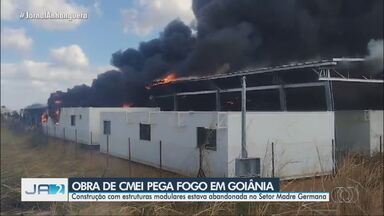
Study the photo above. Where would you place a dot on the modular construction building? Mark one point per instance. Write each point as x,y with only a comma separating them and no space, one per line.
294,127
81,124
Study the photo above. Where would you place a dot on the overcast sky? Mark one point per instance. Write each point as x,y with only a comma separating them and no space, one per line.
41,56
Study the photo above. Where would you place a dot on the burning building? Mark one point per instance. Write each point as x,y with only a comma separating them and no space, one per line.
193,74
319,107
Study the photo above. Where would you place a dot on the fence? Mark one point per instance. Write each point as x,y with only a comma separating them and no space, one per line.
81,136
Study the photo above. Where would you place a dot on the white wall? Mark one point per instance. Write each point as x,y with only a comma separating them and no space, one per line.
303,142
80,131
376,130
359,131
178,133
87,128
352,132
94,122
46,126
64,130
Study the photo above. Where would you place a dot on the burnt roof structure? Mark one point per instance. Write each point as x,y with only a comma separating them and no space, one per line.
335,84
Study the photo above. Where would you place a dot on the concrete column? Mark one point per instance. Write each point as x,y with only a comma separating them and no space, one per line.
174,102
329,96
283,98
218,102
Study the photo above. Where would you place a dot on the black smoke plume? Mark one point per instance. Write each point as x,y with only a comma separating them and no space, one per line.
236,33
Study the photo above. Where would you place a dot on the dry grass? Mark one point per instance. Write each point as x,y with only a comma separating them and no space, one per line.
27,154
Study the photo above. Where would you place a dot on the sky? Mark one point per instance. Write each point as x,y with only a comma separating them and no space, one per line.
40,56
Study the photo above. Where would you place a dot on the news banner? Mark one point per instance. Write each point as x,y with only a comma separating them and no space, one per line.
162,190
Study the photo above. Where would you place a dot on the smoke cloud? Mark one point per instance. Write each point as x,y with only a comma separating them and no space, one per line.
237,33
375,57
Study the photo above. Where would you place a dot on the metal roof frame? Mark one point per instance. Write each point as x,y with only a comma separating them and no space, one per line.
253,70
255,88
315,65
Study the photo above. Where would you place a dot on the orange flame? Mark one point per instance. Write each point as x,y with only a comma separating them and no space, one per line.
169,78
44,118
126,105
166,79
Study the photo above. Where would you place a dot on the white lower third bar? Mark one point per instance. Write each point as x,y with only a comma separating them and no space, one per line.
200,197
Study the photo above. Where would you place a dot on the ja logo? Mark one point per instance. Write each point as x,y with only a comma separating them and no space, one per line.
47,189
44,189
